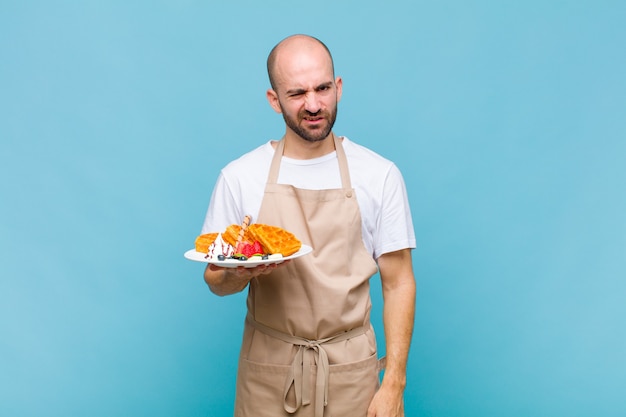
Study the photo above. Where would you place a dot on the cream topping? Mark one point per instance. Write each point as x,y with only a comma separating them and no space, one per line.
219,247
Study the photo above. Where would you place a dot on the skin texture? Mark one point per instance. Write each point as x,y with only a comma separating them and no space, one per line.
306,92
398,284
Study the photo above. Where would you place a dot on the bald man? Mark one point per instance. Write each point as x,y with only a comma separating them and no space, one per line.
308,346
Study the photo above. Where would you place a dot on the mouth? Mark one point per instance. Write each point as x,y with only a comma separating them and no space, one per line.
313,120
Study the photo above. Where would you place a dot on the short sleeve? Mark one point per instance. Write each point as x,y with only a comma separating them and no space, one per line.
395,224
223,208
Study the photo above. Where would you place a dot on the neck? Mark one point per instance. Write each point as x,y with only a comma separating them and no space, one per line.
298,148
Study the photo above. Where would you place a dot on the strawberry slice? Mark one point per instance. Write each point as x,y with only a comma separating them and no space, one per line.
249,250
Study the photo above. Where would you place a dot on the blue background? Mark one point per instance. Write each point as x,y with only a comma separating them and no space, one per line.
507,118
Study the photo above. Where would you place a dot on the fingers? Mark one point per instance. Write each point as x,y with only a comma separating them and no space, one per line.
242,271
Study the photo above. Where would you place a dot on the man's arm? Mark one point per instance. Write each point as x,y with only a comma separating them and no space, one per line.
226,281
398,285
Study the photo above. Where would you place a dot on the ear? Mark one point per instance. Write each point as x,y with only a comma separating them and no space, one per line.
339,84
272,98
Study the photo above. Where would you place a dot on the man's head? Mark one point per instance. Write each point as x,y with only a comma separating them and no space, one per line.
304,87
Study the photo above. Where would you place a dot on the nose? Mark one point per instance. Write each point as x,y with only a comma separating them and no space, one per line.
312,103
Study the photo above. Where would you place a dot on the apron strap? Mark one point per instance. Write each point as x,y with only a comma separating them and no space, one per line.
272,178
343,165
299,375
346,184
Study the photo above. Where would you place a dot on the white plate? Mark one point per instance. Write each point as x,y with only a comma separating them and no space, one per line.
234,263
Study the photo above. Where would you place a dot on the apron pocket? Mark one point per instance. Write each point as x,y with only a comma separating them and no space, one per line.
352,387
260,390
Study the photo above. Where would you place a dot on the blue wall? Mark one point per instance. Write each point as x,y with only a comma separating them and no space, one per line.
507,119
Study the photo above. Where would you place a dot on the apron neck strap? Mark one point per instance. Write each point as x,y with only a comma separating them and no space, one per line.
341,158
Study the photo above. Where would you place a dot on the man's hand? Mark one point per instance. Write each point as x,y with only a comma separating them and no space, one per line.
387,403
226,281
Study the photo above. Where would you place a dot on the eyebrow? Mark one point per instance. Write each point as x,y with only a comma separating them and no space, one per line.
295,91
302,90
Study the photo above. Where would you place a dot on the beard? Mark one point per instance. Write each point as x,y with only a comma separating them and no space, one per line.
313,134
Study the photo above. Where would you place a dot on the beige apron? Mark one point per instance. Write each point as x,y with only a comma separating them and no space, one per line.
308,346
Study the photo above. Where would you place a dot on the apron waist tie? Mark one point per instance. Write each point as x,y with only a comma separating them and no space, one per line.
299,375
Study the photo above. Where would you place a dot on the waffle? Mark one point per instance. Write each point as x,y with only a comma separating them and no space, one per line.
274,239
204,241
231,234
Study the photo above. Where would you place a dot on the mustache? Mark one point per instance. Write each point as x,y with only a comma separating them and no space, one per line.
320,113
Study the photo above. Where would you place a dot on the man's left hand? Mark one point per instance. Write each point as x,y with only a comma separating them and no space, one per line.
386,403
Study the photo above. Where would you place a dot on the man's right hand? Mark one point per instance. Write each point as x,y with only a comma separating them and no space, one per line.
226,281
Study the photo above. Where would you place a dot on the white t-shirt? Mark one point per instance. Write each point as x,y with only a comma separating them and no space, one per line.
380,190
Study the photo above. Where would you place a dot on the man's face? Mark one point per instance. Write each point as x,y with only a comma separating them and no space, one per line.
311,115
307,95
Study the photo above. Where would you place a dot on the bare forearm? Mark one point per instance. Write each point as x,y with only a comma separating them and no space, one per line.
398,317
396,273
398,285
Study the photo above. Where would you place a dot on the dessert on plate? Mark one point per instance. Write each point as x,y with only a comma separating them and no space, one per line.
248,242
